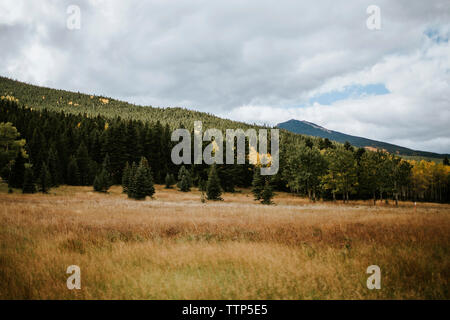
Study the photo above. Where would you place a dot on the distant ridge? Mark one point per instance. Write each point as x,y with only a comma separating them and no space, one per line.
312,129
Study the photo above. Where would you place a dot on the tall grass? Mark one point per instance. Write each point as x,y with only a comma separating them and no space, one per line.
175,247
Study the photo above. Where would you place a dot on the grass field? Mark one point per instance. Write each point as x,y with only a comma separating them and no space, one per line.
175,247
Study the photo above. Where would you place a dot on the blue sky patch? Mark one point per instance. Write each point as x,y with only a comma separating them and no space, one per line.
349,92
436,36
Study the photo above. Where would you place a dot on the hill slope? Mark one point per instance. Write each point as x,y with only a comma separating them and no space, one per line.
311,129
74,102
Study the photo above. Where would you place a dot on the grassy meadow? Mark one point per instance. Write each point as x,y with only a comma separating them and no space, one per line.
176,247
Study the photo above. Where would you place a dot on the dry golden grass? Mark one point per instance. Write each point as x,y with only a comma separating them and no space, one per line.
175,247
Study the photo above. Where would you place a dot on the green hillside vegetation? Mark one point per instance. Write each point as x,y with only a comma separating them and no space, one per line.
79,139
39,98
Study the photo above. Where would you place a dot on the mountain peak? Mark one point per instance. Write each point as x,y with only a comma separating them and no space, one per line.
296,122
312,129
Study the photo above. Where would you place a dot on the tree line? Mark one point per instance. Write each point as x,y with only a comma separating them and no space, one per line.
52,148
76,149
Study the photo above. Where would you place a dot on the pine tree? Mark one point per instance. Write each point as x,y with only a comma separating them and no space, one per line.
202,184
54,167
95,149
267,193
149,184
98,183
185,182
142,182
126,178
28,181
213,190
36,147
83,161
17,172
138,184
131,184
106,167
94,169
257,184
170,181
5,172
348,146
309,143
44,179
73,174
101,181
156,149
115,145
327,144
227,176
131,141
446,162
107,164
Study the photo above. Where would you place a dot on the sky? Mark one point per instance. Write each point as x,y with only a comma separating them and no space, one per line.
258,61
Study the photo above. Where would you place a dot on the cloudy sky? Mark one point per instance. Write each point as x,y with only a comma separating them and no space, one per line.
254,61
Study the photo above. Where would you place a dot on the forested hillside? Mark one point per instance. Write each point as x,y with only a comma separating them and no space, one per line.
78,103
51,137
73,147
